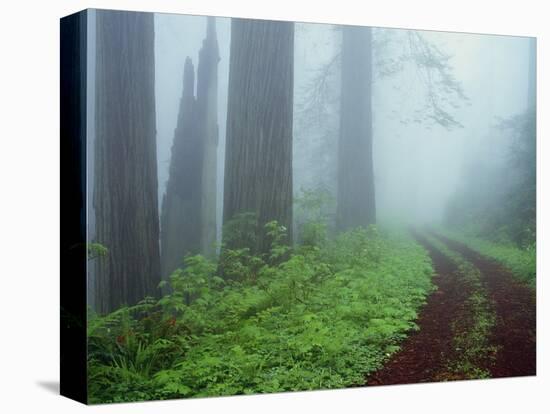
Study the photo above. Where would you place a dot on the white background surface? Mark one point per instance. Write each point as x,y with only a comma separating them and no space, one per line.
29,206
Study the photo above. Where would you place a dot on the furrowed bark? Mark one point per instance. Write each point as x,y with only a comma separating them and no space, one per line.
207,106
258,166
125,191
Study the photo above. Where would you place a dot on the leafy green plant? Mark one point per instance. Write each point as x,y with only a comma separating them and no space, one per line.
96,250
316,316
314,212
241,230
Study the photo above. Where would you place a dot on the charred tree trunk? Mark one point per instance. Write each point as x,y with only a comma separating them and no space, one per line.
356,202
188,221
181,205
125,191
258,164
207,107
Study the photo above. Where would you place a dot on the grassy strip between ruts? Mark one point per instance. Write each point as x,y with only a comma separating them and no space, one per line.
522,262
324,317
473,352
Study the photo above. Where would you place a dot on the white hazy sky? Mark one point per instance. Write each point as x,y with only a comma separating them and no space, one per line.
416,168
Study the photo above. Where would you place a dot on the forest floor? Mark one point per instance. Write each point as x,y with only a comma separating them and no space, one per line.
480,322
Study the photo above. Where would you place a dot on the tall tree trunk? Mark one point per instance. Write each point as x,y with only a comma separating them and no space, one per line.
258,165
356,197
125,191
207,106
181,205
188,221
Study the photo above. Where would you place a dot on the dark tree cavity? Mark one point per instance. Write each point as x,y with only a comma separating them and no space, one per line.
125,191
258,166
188,221
356,202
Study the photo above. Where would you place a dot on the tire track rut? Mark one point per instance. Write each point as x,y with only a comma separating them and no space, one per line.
424,353
515,305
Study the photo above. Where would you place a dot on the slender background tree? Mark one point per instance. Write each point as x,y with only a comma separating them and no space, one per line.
355,202
207,108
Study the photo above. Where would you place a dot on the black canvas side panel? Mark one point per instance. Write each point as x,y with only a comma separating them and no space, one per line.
73,382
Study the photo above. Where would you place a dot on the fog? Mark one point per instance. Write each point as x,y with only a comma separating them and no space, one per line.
176,38
433,143
269,202
418,165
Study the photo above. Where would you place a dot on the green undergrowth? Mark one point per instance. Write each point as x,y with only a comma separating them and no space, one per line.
521,262
323,315
472,350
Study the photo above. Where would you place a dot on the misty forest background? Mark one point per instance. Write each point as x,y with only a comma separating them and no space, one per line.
262,195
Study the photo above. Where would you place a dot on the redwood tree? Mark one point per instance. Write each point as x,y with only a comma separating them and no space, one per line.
181,204
207,108
125,187
188,221
258,164
356,196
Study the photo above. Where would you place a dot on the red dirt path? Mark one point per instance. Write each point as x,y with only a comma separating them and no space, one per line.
515,305
424,353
